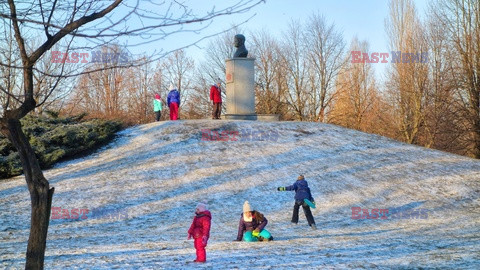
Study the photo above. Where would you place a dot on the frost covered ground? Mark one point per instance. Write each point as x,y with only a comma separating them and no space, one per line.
155,174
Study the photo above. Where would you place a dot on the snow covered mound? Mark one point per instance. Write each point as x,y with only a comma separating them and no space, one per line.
141,191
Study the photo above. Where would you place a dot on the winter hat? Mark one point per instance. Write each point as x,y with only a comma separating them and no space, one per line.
157,96
171,87
301,177
246,207
201,207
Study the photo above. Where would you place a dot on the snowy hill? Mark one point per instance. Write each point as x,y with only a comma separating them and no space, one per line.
153,175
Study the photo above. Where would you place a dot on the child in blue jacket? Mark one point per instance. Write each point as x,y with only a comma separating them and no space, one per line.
302,191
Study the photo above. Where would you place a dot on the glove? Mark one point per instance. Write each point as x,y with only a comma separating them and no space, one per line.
281,188
189,237
204,240
256,232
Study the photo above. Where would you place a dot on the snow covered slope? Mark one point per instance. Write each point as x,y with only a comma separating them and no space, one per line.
155,174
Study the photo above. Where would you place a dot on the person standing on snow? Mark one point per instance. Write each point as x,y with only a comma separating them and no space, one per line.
200,231
251,226
157,107
302,191
216,98
173,102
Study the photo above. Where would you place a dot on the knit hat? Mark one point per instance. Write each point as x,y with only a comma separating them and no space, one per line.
301,177
201,207
246,207
172,87
157,96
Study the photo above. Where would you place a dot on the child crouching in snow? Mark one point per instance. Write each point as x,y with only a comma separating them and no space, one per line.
251,226
200,231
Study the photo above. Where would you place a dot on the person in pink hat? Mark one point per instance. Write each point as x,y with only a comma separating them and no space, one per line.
200,231
157,107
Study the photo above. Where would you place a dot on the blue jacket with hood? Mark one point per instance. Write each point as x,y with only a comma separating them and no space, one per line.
302,191
173,96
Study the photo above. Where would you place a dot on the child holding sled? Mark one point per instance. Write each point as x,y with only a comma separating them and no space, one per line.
302,192
200,231
251,226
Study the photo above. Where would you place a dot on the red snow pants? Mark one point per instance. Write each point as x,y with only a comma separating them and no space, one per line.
200,248
173,111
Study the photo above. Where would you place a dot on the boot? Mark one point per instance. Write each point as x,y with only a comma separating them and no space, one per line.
313,227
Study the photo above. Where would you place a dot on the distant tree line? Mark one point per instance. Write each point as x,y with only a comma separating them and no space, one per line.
308,74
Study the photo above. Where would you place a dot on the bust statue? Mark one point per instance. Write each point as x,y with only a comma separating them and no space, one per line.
239,43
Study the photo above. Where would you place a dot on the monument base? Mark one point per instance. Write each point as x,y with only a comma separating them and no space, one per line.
240,116
268,117
258,117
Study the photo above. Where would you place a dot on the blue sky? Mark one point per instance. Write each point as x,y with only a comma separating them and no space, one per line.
364,19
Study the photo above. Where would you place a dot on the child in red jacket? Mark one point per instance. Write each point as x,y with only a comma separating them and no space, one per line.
200,231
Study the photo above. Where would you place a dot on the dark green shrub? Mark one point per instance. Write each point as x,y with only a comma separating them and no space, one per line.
56,139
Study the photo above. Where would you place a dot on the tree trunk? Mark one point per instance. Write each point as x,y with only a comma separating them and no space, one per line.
40,193
476,139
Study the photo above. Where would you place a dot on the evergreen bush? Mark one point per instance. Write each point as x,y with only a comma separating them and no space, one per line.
55,139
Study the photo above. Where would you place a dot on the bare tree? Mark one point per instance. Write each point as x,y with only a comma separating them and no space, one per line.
356,101
119,92
219,49
139,93
325,47
270,91
102,87
10,81
442,129
460,19
177,70
408,76
312,56
295,63
49,100
98,23
210,70
199,105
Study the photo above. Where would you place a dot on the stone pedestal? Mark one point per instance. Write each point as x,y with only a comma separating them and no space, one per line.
240,81
241,91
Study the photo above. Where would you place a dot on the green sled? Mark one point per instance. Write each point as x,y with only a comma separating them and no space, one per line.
309,203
